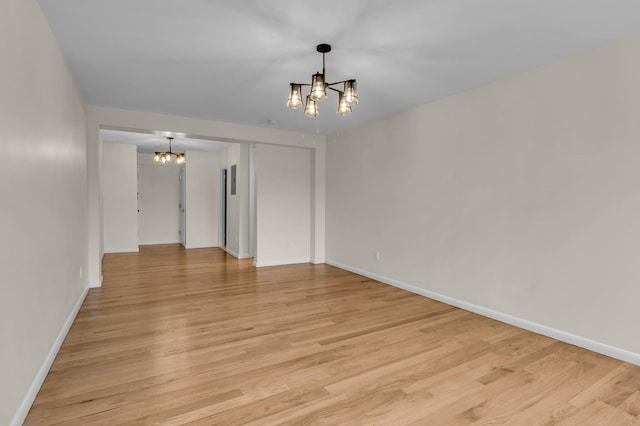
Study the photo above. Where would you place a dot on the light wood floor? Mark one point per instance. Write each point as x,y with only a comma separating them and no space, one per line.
198,337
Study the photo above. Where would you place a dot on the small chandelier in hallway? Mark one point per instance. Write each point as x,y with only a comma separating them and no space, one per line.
167,157
319,87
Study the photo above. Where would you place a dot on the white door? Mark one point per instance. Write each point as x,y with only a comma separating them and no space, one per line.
181,206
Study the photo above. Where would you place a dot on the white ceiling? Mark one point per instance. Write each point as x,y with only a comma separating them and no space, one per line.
233,60
150,143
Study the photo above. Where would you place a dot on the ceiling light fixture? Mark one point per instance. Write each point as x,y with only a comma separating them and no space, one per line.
319,86
167,157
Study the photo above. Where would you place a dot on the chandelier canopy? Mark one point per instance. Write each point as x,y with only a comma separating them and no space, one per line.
167,157
319,86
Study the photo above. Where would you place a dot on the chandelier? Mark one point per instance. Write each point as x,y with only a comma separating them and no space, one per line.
167,157
346,97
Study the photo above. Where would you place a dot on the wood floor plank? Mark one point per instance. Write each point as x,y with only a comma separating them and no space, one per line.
198,337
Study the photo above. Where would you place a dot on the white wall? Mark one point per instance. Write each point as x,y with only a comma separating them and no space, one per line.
283,205
43,222
238,204
158,200
522,197
202,176
119,190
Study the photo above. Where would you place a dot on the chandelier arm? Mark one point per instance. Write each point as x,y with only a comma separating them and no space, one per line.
334,89
339,82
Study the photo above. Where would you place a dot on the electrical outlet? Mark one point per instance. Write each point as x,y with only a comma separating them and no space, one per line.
376,255
81,272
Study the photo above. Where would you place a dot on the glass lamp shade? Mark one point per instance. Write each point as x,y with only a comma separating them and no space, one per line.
295,96
311,109
157,157
181,159
167,157
318,87
344,107
350,93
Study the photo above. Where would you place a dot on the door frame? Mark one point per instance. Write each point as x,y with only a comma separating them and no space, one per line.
182,208
222,223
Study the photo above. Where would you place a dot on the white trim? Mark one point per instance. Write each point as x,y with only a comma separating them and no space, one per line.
96,284
27,401
157,243
238,256
252,200
122,250
583,342
280,262
197,246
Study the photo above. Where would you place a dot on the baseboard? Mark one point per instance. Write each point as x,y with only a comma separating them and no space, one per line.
96,284
238,256
122,250
157,243
197,246
280,262
563,336
28,399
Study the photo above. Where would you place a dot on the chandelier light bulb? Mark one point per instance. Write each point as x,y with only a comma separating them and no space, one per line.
311,109
350,93
344,107
318,87
295,96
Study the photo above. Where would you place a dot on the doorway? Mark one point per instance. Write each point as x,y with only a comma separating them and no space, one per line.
223,208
